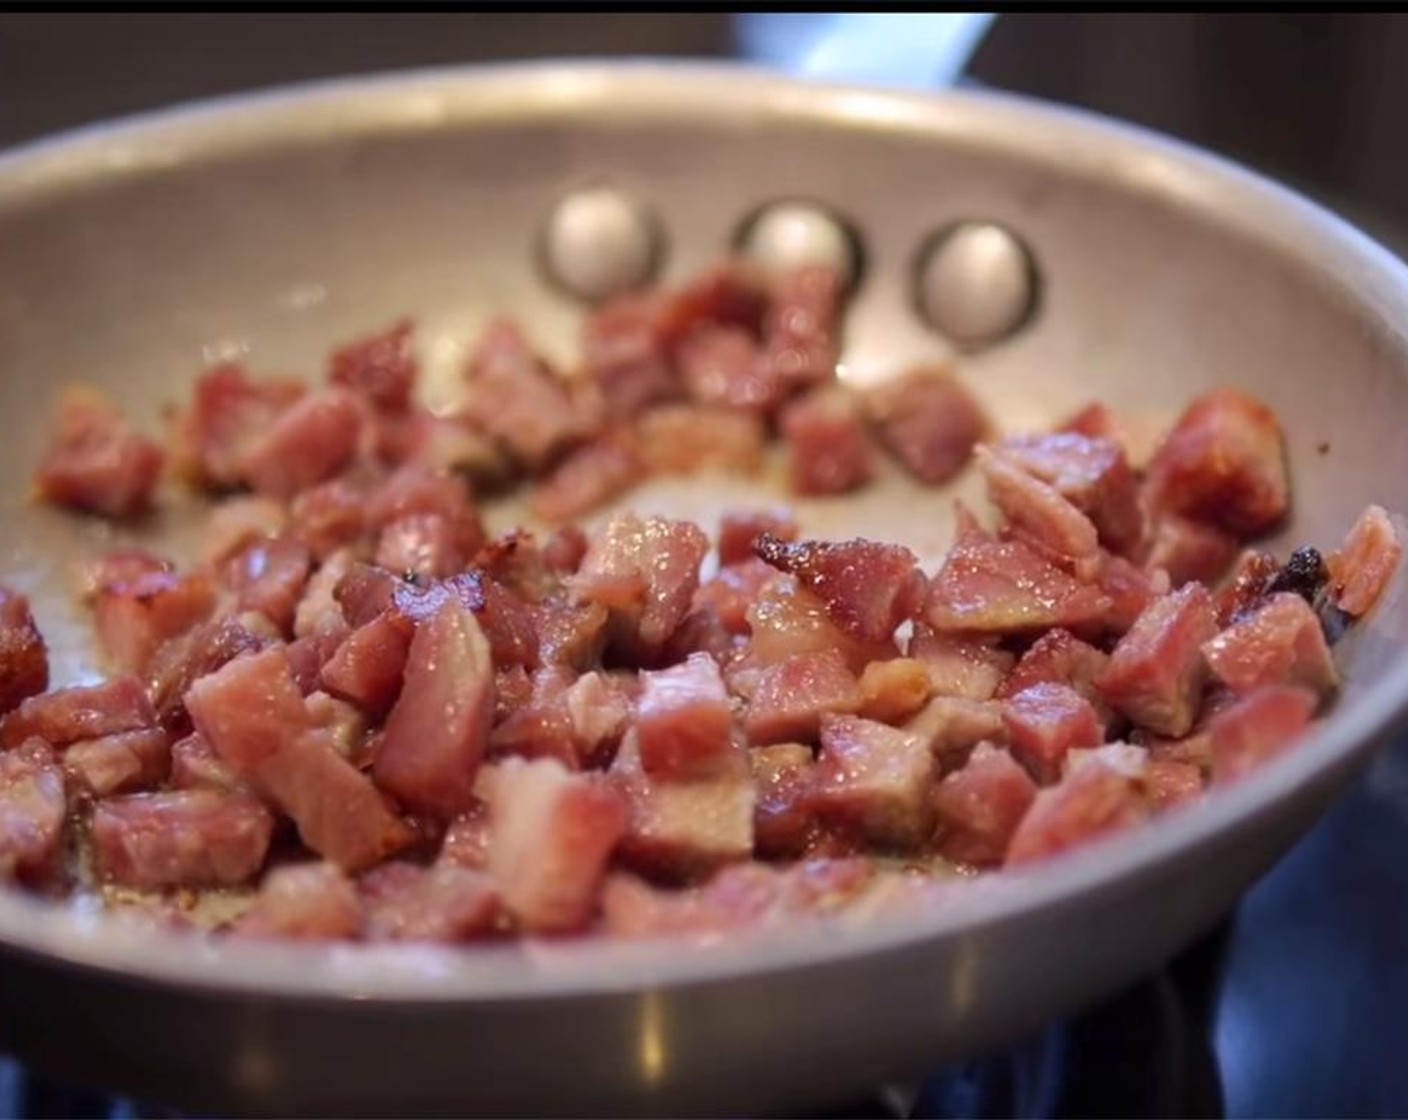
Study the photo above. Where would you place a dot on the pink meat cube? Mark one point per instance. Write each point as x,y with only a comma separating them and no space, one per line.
979,807
186,838
252,714
589,477
792,695
1091,473
990,586
954,725
684,720
551,833
960,665
828,447
310,441
1035,511
518,400
869,587
1092,801
929,423
739,530
1223,462
1258,728
1189,550
381,367
1281,642
782,818
1365,562
645,572
121,763
691,439
305,901
1155,675
682,829
24,658
32,810
873,779
439,727
1045,721
95,461
69,715
445,902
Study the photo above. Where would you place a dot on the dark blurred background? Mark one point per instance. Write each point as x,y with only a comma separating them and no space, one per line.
1307,1019
1319,99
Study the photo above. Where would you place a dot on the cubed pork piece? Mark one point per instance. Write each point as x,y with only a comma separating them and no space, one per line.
24,657
1059,657
439,727
691,439
1281,642
32,810
309,442
444,903
960,665
133,618
1223,462
724,367
873,780
1092,801
979,806
626,354
869,588
1092,473
800,325
682,829
184,838
928,422
253,715
728,596
380,367
589,477
1189,550
748,896
1257,729
1035,511
828,446
69,715
96,462
229,412
645,572
313,901
195,765
782,817
993,586
1156,673
954,725
551,833
793,694
517,399
1044,722
684,720
1365,562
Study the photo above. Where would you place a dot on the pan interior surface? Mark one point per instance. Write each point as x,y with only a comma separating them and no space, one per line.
269,229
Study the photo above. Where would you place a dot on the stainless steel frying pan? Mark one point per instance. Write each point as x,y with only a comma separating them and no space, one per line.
275,226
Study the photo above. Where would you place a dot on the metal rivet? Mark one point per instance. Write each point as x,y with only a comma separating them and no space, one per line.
790,234
975,282
600,242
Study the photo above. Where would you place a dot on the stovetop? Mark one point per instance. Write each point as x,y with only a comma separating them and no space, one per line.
1294,1007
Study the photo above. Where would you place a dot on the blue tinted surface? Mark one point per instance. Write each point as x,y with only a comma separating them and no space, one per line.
1313,1019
